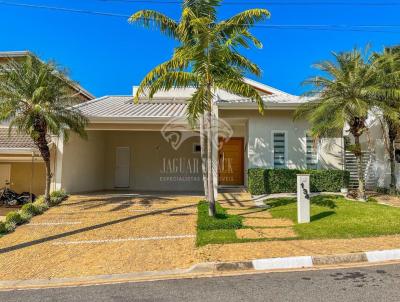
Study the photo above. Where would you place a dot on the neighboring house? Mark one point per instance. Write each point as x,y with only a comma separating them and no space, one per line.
21,166
375,161
149,146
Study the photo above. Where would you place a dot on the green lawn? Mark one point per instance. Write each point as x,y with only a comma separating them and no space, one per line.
331,217
218,229
336,217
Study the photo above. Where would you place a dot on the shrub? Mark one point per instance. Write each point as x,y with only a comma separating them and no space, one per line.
267,181
382,190
222,220
41,204
25,216
56,197
3,228
257,181
14,218
10,226
32,209
328,180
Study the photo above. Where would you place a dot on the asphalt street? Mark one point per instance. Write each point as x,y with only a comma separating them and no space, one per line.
378,283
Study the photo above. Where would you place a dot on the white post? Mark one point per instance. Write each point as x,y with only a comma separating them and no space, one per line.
58,163
303,198
215,162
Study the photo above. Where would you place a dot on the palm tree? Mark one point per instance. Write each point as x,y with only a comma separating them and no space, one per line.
35,99
207,59
341,98
386,93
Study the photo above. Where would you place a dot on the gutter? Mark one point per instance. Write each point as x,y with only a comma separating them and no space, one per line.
17,151
138,120
273,106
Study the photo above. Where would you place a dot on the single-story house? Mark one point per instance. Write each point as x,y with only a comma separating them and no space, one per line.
149,146
21,166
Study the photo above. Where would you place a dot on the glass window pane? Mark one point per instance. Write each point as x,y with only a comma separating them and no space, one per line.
279,150
311,153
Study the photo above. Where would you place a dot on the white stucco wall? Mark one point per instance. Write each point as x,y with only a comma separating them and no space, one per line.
83,163
259,149
150,156
90,165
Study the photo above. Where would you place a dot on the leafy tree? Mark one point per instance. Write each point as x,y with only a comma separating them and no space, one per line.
386,93
341,98
36,99
207,58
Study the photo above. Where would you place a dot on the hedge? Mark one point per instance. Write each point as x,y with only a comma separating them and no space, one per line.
268,181
29,210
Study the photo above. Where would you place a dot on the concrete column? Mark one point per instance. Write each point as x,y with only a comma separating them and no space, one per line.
215,147
303,198
57,163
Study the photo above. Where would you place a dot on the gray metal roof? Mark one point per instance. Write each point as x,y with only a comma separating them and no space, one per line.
270,99
172,103
124,107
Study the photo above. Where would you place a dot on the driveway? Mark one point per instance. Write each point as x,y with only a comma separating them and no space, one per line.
103,234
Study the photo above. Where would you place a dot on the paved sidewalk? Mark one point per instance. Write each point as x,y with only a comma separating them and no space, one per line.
389,200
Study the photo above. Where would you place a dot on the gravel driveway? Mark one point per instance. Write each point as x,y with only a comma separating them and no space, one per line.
103,234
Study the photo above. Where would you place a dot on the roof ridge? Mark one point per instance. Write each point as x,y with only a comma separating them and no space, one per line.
90,102
268,87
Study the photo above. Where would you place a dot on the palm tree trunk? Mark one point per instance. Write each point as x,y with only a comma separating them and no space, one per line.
358,154
42,144
203,148
392,137
48,180
211,199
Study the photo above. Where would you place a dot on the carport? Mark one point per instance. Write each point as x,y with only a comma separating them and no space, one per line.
143,147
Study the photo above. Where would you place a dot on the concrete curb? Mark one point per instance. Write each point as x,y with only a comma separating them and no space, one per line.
209,268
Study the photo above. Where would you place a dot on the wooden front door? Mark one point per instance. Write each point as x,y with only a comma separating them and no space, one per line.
231,162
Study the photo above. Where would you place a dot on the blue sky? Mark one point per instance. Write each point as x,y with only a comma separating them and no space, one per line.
107,55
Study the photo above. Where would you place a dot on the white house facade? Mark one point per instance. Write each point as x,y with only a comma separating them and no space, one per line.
149,146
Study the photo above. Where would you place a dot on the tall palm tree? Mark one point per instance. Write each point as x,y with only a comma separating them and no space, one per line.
341,98
207,59
386,93
36,99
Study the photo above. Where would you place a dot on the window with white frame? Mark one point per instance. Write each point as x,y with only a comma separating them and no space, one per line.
311,153
279,144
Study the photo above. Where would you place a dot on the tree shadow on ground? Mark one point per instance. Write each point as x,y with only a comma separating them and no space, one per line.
324,201
89,228
322,215
274,203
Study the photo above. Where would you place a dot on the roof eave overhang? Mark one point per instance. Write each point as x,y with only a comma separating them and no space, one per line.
270,106
18,150
137,120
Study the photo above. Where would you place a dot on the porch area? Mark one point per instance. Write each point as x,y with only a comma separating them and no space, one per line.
140,160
